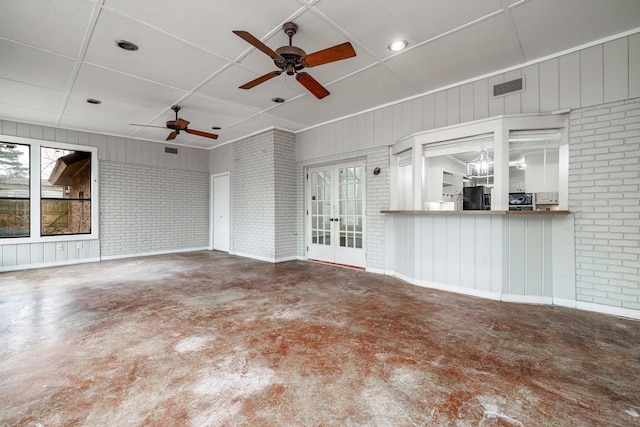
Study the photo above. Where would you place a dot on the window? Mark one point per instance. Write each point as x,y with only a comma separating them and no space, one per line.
14,190
47,191
65,190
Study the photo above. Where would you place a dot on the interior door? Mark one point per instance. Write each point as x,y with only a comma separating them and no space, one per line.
335,212
220,209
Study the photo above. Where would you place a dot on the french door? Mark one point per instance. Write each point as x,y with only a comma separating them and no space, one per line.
335,214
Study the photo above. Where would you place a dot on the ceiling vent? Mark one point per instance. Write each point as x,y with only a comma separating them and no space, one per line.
505,88
170,150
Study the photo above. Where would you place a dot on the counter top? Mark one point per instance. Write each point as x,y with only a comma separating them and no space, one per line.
474,212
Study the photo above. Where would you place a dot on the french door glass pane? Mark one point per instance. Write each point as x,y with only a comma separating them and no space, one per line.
321,207
350,206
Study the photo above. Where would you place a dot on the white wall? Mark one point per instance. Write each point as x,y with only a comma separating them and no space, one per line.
137,211
588,78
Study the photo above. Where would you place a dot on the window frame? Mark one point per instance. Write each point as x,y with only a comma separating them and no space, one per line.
35,196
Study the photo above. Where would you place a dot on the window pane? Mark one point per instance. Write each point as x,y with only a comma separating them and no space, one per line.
66,191
14,190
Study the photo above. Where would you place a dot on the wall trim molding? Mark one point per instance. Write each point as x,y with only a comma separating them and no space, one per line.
518,299
605,309
170,251
48,264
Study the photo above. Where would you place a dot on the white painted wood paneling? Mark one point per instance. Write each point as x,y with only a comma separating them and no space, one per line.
440,242
531,95
23,254
569,69
517,256
616,70
429,112
520,258
634,66
549,74
482,247
417,111
453,250
591,79
481,99
466,103
37,253
453,106
440,109
9,255
534,271
469,265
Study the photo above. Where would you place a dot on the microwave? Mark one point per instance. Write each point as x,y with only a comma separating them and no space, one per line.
521,201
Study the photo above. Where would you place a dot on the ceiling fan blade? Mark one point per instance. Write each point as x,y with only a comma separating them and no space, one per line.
172,135
261,79
332,54
200,133
312,85
246,36
181,123
147,126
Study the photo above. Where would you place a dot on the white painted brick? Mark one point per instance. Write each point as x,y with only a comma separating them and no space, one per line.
607,210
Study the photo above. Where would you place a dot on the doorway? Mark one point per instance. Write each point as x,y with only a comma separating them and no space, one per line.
335,214
220,201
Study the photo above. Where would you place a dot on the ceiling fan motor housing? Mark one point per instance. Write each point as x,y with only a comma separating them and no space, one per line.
292,59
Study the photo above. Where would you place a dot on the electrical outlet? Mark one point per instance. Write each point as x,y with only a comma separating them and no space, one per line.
79,245
60,246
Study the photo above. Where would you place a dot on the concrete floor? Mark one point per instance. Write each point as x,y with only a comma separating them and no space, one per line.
207,339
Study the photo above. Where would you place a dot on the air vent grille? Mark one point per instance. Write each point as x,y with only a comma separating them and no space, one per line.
504,88
170,150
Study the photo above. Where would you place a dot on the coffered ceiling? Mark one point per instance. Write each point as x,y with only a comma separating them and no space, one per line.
55,54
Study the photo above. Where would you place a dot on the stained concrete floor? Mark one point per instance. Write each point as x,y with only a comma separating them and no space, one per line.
208,339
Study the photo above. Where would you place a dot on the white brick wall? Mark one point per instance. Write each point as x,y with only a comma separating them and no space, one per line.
285,195
604,193
148,209
264,195
377,199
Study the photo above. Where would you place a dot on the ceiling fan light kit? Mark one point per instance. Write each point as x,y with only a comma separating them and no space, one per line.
292,60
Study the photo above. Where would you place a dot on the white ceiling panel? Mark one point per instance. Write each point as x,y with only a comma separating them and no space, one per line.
548,26
29,96
225,86
55,54
59,27
412,20
209,24
483,47
307,110
124,88
161,58
107,117
369,88
26,64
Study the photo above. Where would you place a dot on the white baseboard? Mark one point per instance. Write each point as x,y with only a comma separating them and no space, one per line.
605,309
48,264
527,299
375,270
172,251
520,299
569,303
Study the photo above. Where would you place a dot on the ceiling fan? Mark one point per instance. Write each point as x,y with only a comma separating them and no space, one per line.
292,59
178,125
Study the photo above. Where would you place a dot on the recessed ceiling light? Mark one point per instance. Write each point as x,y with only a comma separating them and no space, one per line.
216,127
123,44
94,101
398,45
278,100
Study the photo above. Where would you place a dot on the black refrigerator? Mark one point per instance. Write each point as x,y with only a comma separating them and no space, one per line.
476,198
